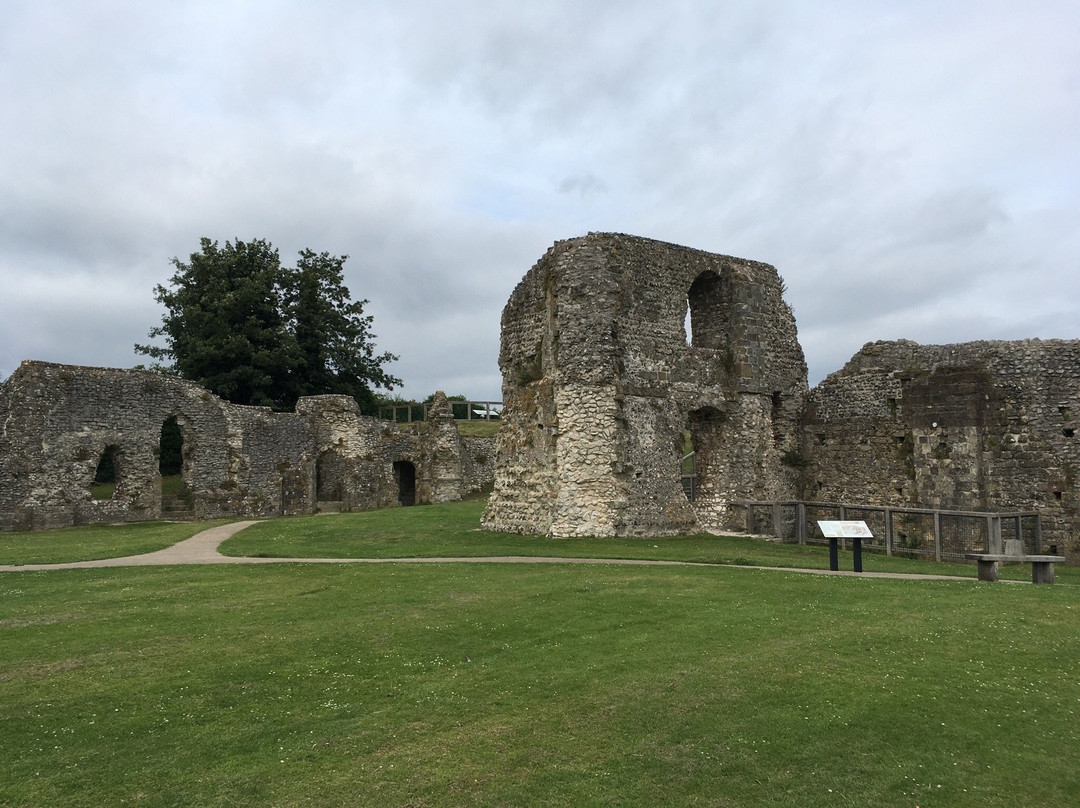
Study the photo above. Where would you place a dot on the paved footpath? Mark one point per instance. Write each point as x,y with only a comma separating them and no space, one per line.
202,548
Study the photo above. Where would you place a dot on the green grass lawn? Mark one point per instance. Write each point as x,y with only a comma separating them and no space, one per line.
497,685
95,541
478,429
452,530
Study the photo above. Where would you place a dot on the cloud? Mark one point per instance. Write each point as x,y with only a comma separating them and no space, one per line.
910,170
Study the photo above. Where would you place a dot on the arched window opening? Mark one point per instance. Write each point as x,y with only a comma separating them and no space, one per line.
707,312
175,496
405,477
105,475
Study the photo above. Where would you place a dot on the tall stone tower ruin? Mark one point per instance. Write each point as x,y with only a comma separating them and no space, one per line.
613,347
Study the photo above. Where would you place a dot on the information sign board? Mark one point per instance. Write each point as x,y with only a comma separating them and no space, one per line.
845,530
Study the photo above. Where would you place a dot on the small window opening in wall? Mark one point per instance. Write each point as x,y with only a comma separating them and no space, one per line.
776,414
1057,495
688,325
892,407
1068,432
105,477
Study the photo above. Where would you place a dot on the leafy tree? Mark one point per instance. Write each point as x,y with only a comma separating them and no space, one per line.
255,332
336,350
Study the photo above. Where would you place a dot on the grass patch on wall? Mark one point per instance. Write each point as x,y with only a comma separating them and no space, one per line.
532,685
478,429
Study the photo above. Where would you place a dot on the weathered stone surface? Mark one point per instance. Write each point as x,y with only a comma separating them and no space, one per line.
975,426
600,384
56,421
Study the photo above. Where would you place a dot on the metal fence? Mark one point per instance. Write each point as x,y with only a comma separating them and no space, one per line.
462,410
914,532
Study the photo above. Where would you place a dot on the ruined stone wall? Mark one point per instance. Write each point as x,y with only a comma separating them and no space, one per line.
56,422
974,426
599,384
478,464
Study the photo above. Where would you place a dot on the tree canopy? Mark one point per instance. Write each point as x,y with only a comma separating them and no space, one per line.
255,332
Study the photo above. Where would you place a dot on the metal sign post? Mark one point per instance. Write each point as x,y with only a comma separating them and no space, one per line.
856,531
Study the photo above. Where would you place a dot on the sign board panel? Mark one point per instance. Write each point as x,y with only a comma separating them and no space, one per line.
845,530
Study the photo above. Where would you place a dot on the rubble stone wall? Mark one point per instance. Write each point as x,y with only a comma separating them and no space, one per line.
975,426
56,422
600,383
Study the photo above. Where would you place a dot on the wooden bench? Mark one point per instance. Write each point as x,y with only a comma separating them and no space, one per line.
1042,566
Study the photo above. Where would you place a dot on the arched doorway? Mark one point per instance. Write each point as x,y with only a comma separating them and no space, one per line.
706,427
176,500
329,476
106,475
405,477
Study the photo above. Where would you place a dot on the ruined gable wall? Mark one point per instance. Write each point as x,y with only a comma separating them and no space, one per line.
974,426
598,382
59,419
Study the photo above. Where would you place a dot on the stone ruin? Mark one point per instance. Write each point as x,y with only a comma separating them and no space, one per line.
613,349
601,380
58,422
979,426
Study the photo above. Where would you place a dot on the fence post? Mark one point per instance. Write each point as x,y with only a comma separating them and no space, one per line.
778,520
800,522
937,535
1038,534
995,534
888,531
750,517
843,516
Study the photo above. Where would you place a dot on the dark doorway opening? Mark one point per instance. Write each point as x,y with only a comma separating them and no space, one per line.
405,476
105,475
176,500
329,476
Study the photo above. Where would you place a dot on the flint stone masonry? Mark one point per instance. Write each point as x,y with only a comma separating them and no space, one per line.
56,421
981,426
600,386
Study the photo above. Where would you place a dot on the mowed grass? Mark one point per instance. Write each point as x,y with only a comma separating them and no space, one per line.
452,530
91,542
532,685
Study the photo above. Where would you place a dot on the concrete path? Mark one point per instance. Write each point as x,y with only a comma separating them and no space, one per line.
202,548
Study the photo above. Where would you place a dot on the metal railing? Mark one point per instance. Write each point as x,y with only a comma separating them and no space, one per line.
929,533
462,411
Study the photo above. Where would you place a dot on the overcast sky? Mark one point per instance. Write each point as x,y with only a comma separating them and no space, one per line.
911,169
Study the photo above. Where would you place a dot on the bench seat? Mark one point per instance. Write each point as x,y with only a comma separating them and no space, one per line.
1042,566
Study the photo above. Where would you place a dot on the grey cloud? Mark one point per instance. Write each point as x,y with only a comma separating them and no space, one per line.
911,171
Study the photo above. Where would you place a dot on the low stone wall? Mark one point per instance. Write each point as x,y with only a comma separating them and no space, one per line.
57,421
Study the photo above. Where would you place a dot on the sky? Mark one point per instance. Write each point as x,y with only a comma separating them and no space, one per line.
911,169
